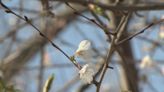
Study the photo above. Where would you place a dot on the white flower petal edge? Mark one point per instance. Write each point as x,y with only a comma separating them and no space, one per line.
84,45
146,62
162,70
84,50
161,34
86,73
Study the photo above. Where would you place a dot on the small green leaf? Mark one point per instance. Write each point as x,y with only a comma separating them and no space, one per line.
72,58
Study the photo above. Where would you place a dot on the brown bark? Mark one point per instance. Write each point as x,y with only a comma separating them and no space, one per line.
128,63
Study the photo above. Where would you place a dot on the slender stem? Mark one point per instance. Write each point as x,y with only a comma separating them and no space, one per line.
139,32
25,18
138,7
112,48
105,29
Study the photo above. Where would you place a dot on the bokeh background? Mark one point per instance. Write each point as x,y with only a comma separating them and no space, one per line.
27,59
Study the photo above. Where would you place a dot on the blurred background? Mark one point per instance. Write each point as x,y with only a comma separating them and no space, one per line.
27,59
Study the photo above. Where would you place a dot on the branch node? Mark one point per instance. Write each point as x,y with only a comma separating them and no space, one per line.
8,11
26,18
110,67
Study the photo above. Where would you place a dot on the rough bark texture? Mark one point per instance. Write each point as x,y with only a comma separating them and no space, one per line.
128,63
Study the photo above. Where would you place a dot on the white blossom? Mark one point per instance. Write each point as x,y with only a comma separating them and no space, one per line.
162,70
86,73
146,62
161,32
162,17
84,50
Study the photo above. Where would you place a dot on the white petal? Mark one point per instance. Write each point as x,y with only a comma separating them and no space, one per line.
146,62
162,70
84,45
162,17
161,32
86,73
84,50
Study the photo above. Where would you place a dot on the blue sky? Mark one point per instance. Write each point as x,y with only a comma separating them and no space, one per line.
71,35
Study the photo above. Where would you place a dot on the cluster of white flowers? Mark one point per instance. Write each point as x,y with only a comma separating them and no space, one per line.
84,51
146,62
86,73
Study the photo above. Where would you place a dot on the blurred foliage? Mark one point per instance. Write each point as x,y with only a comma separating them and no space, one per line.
48,84
4,87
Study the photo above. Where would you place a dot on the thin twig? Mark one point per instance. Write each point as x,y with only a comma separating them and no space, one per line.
112,49
25,18
151,41
139,32
91,20
138,7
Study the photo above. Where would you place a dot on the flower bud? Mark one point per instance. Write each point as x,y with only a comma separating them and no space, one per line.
84,50
146,62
